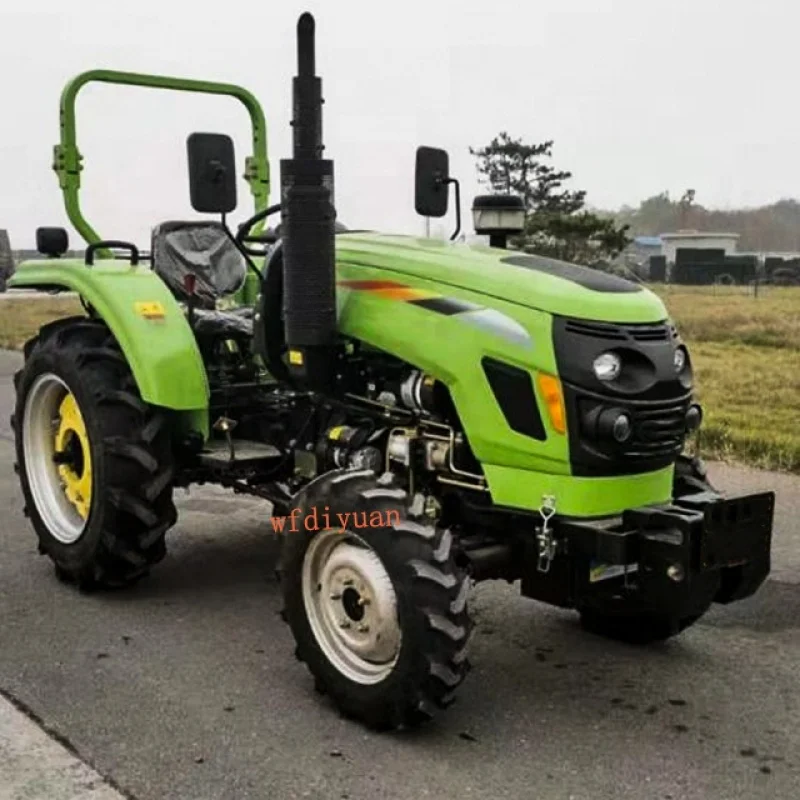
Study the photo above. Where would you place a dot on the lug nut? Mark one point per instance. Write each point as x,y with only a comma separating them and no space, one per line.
336,596
344,623
363,628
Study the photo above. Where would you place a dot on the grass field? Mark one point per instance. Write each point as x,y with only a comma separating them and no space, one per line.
20,319
746,354
745,351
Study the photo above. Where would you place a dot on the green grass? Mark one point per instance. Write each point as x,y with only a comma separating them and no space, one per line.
751,396
733,314
20,319
746,356
745,351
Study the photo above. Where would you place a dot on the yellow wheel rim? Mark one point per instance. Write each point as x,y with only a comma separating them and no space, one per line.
72,440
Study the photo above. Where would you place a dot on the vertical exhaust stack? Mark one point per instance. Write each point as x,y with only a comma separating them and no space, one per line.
308,217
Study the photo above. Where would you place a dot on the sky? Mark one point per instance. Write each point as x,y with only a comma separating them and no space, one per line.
639,96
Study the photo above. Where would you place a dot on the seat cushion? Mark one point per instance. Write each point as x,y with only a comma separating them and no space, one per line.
223,323
203,249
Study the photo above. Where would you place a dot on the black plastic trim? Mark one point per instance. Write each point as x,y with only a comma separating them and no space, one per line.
513,390
648,389
586,277
445,305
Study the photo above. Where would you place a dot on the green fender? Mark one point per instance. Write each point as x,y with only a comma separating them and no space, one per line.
146,320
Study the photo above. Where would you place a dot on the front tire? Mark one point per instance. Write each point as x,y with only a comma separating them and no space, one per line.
379,612
94,460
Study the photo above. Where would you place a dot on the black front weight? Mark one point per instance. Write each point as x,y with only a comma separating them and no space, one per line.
703,548
737,540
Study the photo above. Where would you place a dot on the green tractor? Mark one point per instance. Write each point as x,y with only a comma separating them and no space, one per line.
422,415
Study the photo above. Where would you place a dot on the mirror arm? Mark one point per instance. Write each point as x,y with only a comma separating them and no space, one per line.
458,207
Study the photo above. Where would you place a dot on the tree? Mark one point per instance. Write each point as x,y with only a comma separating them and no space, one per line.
774,227
557,223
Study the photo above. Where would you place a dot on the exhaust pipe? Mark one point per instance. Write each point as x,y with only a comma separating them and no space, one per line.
308,232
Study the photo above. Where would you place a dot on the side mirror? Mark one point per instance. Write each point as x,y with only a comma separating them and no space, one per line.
212,172
52,242
432,182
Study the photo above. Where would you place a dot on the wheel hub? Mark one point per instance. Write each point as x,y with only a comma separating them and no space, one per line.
58,460
351,605
73,456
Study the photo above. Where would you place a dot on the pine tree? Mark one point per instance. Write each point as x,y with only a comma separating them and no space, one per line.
557,223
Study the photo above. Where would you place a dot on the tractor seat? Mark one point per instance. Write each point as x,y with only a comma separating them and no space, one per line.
202,249
237,321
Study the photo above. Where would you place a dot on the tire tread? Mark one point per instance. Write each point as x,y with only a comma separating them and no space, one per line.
434,588
137,506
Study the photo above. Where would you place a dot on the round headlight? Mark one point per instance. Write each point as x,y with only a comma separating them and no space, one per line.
679,359
622,428
607,366
609,423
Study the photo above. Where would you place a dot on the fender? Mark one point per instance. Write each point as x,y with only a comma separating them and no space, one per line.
146,321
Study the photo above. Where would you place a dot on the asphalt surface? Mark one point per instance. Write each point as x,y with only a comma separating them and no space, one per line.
186,687
34,764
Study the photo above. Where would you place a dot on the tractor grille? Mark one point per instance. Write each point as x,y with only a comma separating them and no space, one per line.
649,391
646,332
658,430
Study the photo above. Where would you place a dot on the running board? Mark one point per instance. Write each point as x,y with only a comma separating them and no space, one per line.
218,452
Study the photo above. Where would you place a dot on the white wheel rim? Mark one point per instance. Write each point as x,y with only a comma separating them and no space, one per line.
39,425
351,606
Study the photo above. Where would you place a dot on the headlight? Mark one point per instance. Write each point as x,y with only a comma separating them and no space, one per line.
609,424
679,359
622,429
607,366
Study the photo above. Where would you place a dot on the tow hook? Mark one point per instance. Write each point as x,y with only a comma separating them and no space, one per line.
544,536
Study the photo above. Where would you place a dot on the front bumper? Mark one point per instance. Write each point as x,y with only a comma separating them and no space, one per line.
680,557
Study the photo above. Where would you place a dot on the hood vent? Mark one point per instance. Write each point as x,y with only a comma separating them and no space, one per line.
645,332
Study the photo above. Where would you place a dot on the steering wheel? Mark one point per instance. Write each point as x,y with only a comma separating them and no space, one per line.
242,232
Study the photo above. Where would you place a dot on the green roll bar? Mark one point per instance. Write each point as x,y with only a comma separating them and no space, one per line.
68,161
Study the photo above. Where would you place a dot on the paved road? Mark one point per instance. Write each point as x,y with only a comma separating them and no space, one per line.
34,764
186,687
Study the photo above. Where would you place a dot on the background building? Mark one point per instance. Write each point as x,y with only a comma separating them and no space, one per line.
694,240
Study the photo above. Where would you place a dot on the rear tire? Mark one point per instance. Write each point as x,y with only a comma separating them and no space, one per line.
395,660
118,462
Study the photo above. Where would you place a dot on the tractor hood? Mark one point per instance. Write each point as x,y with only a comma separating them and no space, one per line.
545,284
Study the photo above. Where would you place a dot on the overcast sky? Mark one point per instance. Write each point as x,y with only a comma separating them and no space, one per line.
640,96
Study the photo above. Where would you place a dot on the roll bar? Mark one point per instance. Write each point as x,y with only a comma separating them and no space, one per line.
68,161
